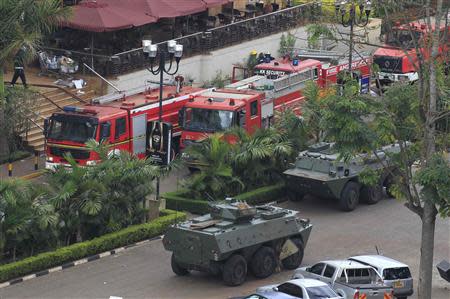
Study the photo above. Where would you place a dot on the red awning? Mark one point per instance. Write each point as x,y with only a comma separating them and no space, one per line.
104,15
212,3
163,8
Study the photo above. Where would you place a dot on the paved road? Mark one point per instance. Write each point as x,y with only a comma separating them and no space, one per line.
145,271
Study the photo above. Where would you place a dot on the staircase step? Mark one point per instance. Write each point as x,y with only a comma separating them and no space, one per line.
44,108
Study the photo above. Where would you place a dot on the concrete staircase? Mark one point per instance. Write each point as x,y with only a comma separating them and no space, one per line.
48,103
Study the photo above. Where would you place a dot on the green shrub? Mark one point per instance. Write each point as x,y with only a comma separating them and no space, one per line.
263,194
76,251
14,156
178,200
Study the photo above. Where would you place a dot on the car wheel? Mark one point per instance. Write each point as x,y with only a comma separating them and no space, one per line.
293,261
263,262
234,270
176,268
371,194
349,197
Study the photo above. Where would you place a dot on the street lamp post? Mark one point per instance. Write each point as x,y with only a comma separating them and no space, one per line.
352,20
151,50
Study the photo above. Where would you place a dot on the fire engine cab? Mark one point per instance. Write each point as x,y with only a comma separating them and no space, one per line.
397,61
219,110
118,119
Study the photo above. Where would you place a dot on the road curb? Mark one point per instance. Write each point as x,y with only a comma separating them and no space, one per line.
76,263
32,175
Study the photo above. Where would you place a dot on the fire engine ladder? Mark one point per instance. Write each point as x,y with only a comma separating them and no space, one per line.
290,83
326,55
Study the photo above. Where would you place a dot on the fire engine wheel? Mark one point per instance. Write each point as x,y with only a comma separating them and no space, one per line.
234,270
371,194
263,262
176,268
349,197
293,261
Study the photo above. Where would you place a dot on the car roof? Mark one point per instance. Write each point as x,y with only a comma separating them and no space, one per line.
307,282
379,260
345,264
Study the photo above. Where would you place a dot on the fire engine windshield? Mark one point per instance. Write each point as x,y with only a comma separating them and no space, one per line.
73,128
207,120
403,38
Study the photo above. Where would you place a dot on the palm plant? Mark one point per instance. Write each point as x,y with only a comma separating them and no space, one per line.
215,178
24,24
259,158
312,111
25,217
105,197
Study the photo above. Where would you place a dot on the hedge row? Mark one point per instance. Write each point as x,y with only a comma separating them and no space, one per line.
179,201
80,250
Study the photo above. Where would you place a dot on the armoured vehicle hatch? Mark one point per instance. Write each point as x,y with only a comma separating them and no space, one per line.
235,237
319,172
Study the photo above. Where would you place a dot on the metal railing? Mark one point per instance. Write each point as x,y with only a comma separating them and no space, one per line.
224,36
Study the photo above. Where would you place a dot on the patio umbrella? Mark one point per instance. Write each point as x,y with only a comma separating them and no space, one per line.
103,15
212,3
163,8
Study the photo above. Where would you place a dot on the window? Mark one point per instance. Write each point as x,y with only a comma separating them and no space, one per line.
105,130
254,108
121,126
316,73
329,271
396,273
317,268
320,292
72,129
291,289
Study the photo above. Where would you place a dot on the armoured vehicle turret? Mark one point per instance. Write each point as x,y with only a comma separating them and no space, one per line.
235,237
319,172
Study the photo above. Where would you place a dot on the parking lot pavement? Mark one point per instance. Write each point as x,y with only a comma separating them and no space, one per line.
144,271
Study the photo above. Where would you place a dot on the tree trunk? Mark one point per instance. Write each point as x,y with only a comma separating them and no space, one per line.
426,251
429,208
4,148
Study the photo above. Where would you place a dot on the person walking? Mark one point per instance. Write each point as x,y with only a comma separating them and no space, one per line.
19,68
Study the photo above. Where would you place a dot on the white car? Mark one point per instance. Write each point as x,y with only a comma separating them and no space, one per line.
298,288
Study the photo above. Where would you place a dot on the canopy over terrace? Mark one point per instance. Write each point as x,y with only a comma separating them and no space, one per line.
110,15
104,15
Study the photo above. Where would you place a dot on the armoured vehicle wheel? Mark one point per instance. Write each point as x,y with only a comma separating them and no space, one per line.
294,195
292,262
349,197
371,194
263,262
387,184
234,270
176,268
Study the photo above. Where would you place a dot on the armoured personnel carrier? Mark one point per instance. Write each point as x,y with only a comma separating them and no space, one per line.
318,171
236,237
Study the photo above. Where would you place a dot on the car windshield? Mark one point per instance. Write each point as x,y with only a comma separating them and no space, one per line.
320,292
207,120
75,129
396,273
403,38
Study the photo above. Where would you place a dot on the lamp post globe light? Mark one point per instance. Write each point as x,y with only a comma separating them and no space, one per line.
349,18
174,50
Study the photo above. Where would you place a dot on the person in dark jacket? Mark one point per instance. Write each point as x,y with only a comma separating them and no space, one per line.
18,68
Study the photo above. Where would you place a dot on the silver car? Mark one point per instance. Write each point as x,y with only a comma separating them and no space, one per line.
304,288
393,273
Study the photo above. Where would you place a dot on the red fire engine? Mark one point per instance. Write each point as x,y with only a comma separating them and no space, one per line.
397,61
252,102
121,120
